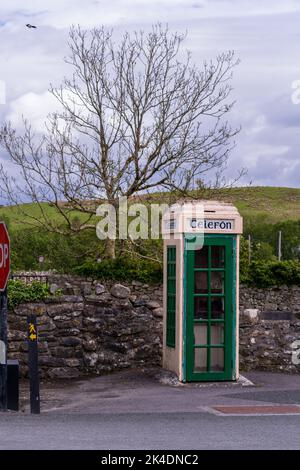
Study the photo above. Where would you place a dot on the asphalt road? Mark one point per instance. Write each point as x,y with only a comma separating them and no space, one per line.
133,410
148,431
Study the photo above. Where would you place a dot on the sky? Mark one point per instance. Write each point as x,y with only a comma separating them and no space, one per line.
265,35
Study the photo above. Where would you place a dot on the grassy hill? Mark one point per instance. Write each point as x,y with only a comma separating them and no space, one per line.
269,203
264,203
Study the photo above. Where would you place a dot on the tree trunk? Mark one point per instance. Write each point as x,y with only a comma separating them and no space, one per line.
110,249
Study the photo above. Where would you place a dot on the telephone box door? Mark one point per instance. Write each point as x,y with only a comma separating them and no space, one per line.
210,294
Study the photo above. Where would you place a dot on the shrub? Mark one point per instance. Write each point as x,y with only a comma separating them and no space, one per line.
19,292
60,252
122,269
263,251
262,231
244,260
271,273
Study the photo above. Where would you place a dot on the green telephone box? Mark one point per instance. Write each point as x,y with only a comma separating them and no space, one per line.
201,291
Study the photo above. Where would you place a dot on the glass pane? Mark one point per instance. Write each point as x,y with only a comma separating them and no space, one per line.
171,254
200,308
217,359
217,282
200,360
200,334
217,307
171,269
201,257
218,256
216,333
171,302
171,286
201,282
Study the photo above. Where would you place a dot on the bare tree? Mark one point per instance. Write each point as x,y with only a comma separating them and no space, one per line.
135,116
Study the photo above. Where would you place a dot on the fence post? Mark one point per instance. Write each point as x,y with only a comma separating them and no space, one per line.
249,248
33,364
279,245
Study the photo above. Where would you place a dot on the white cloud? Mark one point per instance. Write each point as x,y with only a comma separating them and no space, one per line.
62,13
34,107
260,123
2,92
265,35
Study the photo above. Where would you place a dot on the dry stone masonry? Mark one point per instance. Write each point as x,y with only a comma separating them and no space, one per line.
91,329
95,328
270,329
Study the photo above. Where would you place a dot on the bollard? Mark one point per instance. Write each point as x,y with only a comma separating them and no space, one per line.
13,385
33,364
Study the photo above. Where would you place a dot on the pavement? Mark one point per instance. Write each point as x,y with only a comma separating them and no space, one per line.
149,410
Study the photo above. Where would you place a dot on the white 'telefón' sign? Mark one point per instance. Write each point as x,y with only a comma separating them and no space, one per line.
211,224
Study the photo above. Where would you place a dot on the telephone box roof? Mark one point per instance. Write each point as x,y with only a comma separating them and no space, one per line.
202,216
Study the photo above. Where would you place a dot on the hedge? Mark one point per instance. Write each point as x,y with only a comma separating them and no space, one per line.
122,269
271,273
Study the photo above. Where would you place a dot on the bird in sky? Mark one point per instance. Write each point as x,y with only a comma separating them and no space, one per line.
30,26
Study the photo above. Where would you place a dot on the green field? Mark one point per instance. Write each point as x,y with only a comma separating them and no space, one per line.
267,204
18,219
270,204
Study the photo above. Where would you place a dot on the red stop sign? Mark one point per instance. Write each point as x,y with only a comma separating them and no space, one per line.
4,256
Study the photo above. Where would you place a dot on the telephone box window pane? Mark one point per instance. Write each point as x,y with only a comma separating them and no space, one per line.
216,333
217,307
218,256
217,282
200,308
171,269
201,257
200,360
200,334
171,296
171,303
216,359
201,285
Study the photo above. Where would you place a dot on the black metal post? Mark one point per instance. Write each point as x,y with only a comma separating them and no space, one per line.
3,350
33,364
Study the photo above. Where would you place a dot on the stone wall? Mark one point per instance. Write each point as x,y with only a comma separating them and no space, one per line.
270,329
91,329
280,299
95,328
